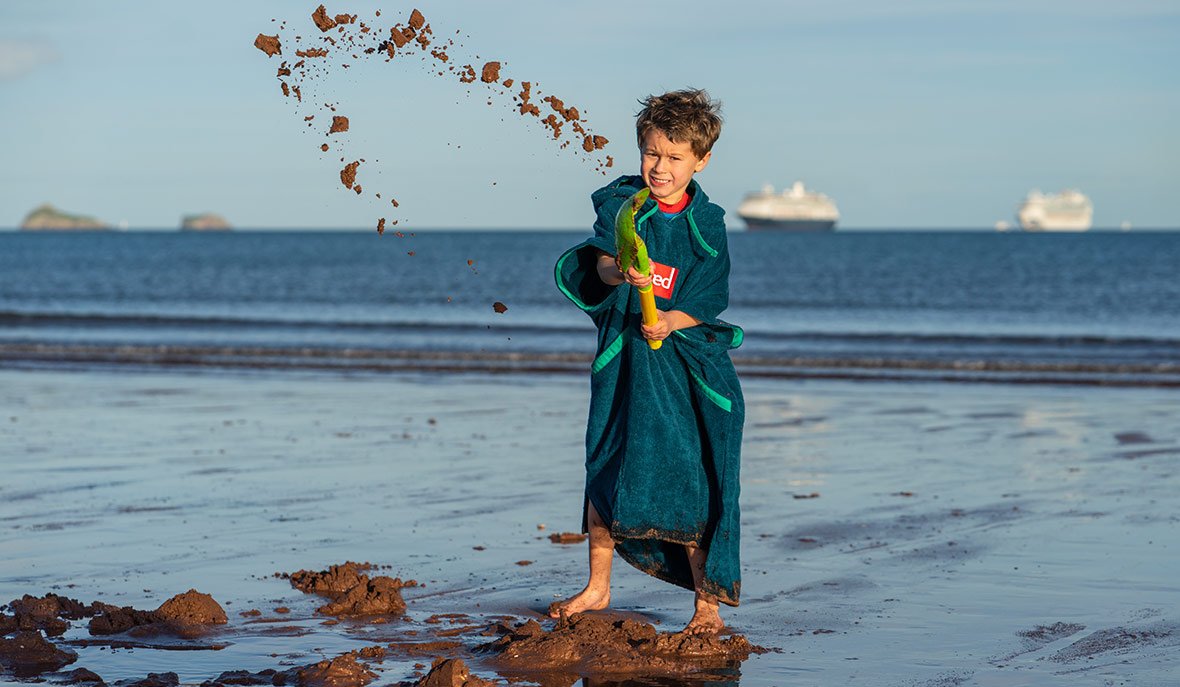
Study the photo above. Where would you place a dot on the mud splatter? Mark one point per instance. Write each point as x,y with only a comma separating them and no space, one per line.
491,72
268,44
348,174
341,40
322,20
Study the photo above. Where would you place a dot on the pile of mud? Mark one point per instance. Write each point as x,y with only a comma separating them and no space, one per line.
185,614
337,41
25,649
604,644
594,645
352,592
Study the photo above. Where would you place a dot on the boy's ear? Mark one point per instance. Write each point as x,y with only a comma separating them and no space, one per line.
703,162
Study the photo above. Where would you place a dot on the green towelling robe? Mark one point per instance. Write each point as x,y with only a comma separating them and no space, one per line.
663,440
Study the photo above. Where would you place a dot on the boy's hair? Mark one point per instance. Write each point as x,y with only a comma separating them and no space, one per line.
683,116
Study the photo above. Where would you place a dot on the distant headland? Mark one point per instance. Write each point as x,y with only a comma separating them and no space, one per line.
206,221
48,218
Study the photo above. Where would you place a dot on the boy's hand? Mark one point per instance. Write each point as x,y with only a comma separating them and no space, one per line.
634,277
658,331
666,323
609,272
611,275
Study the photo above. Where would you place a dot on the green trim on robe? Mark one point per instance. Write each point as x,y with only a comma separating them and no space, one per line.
608,354
664,433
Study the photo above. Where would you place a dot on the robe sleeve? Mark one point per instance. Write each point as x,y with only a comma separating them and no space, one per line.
577,269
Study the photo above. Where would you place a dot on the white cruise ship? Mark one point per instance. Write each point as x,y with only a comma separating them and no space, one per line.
1069,210
795,209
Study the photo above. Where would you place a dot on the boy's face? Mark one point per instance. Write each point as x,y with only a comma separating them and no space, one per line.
667,167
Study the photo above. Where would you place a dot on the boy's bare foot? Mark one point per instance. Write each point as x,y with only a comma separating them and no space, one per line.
707,618
585,600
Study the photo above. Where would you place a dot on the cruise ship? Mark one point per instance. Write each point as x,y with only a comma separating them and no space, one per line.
795,209
1069,210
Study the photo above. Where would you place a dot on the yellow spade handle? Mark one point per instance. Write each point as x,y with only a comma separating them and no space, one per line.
647,303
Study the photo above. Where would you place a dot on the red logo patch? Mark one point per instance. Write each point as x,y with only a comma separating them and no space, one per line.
663,279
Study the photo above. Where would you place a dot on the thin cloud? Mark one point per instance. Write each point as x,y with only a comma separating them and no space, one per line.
20,57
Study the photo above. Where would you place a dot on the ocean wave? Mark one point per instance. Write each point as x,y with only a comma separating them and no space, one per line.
41,355
86,320
139,321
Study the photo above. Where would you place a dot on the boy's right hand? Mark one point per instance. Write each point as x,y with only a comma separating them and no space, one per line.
609,272
634,277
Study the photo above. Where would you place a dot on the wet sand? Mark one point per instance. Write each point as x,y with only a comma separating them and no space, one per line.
893,534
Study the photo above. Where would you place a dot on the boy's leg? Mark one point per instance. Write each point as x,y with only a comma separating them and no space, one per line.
596,595
706,617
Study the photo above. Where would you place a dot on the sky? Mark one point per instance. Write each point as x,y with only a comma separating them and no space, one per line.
911,114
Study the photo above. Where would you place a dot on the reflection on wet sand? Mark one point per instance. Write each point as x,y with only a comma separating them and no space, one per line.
1026,541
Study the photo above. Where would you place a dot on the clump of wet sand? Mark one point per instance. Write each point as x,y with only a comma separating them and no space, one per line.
351,591
268,44
451,672
342,670
184,615
29,653
192,608
605,644
348,174
113,620
592,644
47,613
377,596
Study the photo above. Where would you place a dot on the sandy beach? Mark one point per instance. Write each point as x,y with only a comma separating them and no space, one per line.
893,534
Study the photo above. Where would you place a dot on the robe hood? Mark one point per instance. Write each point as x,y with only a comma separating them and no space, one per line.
706,220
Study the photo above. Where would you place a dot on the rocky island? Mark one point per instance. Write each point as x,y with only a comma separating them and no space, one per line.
206,221
49,218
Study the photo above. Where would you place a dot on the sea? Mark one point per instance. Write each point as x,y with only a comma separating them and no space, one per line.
1094,308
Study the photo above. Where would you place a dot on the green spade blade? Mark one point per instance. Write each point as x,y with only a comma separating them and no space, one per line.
627,243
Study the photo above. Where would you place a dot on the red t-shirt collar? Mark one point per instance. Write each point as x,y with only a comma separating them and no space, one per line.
676,207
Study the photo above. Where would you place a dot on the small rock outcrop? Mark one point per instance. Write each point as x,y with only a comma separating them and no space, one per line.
206,221
48,218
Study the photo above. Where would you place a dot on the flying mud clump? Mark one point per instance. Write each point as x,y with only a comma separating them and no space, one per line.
338,41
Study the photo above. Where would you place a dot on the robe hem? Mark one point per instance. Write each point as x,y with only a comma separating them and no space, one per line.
709,587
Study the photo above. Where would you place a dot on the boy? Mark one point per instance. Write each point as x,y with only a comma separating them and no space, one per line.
664,435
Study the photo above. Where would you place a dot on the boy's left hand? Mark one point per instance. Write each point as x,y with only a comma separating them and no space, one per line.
667,321
660,330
